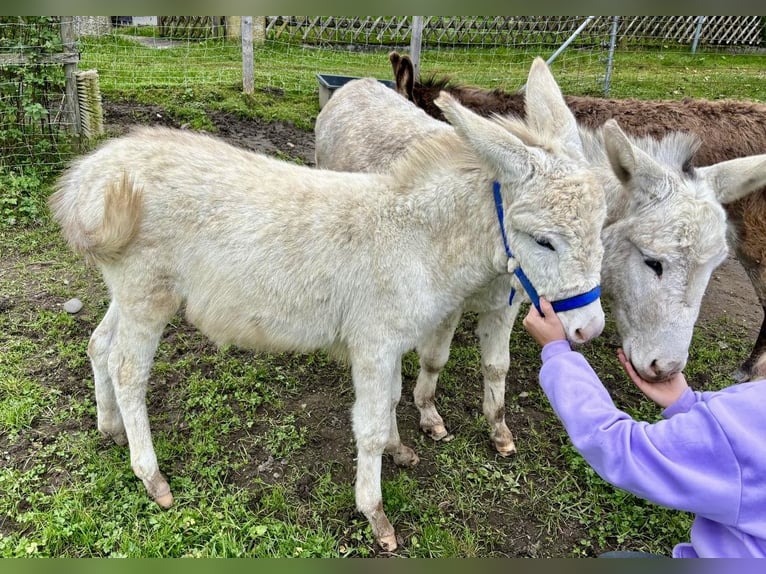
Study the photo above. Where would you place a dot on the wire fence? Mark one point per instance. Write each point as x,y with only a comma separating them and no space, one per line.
40,58
517,30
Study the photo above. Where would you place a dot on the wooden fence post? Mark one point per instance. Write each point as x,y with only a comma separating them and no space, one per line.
259,29
248,72
416,40
71,110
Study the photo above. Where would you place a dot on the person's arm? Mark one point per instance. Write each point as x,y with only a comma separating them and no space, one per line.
684,462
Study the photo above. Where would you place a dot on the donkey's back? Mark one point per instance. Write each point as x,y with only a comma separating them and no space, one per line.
344,141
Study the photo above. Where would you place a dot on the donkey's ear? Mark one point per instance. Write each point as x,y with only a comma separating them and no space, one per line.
499,149
404,74
394,57
735,178
631,164
546,110
619,151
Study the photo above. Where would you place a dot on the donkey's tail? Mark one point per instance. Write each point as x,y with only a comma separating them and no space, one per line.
114,228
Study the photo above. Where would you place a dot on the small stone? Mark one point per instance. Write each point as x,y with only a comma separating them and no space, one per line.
73,306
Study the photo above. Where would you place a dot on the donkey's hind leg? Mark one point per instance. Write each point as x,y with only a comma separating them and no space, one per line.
434,353
107,412
130,360
402,454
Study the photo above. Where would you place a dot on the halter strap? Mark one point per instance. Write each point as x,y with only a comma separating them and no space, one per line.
566,304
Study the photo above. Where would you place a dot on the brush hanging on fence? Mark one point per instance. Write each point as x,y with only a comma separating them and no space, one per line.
89,103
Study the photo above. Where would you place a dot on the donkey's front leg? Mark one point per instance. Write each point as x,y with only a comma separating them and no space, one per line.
494,331
374,374
433,351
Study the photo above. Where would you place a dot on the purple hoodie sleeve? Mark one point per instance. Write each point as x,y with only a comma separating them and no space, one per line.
684,462
682,404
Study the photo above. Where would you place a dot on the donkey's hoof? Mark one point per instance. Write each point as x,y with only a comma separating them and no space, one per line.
503,441
118,437
165,501
505,448
382,529
159,490
506,453
388,543
437,432
406,457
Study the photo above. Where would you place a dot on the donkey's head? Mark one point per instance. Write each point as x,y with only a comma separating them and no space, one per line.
665,235
553,207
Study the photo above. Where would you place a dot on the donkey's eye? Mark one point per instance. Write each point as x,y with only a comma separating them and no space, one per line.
655,266
544,243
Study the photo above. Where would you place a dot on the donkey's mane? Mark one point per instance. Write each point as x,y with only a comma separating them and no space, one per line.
447,148
675,149
518,127
422,154
433,85
445,83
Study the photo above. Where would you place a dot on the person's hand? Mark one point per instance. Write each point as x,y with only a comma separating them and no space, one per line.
664,393
544,329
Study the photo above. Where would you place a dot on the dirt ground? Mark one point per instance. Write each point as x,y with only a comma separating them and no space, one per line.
730,293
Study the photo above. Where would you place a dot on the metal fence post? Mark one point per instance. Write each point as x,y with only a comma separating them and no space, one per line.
697,32
610,56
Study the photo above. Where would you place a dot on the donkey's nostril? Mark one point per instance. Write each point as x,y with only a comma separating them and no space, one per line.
661,370
587,332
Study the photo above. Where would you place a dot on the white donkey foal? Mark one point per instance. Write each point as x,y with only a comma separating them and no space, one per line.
267,254
664,234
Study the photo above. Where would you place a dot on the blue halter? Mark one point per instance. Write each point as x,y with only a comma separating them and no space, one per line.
573,302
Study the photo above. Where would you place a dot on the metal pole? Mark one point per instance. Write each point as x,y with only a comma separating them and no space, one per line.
569,40
564,45
698,32
248,72
416,39
610,57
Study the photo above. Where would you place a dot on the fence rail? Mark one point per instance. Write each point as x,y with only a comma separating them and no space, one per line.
516,30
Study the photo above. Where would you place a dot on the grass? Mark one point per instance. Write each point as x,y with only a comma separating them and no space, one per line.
258,448
207,75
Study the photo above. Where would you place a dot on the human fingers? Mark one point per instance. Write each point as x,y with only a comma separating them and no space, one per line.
631,372
546,308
